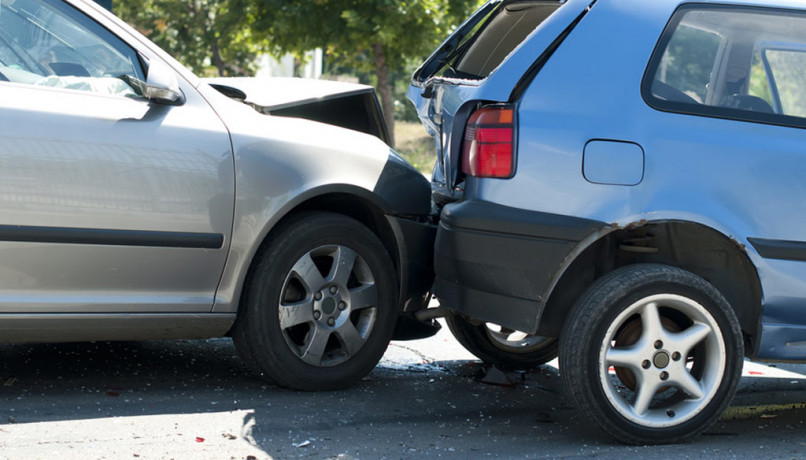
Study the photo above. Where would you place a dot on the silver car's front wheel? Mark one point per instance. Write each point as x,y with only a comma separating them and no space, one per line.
328,305
651,353
319,307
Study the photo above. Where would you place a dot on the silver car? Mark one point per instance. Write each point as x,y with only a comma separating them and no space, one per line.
138,202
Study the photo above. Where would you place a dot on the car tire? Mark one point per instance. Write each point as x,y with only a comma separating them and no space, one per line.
505,348
319,306
652,354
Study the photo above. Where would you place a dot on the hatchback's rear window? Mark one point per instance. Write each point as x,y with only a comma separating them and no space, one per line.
496,33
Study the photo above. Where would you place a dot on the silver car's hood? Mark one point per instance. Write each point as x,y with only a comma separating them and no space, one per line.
278,93
347,105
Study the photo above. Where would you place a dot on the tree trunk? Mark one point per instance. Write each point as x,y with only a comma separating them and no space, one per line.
385,90
217,61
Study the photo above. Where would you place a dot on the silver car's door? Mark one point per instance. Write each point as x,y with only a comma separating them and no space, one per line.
108,202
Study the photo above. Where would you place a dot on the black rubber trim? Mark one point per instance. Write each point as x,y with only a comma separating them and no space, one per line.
103,237
780,249
490,217
544,57
415,241
404,188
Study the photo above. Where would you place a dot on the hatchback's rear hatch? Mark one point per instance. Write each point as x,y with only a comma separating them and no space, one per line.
494,53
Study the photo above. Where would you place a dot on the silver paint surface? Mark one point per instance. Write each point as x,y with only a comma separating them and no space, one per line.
71,159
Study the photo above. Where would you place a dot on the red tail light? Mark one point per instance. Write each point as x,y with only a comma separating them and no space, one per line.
488,149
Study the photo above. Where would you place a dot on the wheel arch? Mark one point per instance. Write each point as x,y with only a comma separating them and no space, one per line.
351,201
694,247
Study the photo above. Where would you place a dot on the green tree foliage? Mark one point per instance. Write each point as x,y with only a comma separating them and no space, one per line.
378,36
212,37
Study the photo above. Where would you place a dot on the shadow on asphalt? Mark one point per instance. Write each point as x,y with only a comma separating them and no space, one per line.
48,382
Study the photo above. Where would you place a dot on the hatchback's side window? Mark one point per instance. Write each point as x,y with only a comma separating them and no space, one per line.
787,78
759,83
48,43
740,63
688,62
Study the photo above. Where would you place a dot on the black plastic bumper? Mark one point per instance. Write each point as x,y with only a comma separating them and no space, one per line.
497,264
416,248
415,243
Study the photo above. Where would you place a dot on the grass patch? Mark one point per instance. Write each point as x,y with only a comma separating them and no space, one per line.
415,145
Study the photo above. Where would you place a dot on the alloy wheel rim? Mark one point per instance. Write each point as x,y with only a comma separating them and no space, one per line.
328,305
676,374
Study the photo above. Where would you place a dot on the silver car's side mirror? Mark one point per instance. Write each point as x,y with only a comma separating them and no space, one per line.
162,86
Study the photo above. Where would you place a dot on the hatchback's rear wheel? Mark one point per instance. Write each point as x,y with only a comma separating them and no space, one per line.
319,306
652,354
502,346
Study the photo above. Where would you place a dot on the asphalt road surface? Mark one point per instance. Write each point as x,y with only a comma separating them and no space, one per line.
194,400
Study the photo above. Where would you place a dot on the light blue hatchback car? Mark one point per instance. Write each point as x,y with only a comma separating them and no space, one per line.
622,182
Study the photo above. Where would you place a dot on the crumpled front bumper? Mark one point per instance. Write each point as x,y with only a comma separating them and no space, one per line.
416,243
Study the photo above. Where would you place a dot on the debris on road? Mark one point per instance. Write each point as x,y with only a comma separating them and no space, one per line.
495,376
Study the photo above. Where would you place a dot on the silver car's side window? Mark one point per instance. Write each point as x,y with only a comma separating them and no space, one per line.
49,43
739,63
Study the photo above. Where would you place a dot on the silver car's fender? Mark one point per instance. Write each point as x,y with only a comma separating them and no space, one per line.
280,163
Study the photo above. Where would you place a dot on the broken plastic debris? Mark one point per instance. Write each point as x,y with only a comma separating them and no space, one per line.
755,373
496,376
304,443
10,382
198,439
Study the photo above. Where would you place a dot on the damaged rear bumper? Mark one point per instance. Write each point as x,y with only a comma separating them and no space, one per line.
497,264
